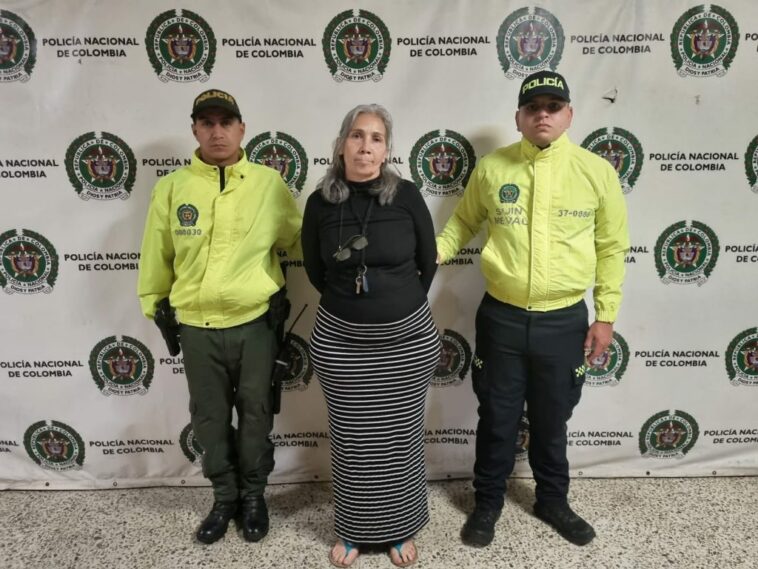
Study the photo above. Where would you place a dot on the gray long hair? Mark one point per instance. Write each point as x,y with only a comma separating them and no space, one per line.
333,185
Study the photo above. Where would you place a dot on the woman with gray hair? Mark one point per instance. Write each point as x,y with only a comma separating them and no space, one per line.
368,247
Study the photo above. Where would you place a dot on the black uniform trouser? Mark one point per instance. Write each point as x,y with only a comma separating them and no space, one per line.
535,357
230,368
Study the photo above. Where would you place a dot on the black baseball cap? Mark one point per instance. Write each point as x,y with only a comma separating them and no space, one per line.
544,82
215,99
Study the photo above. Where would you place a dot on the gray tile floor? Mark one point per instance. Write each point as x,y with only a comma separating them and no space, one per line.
641,523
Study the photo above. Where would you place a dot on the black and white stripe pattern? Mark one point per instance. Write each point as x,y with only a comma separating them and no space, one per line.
375,378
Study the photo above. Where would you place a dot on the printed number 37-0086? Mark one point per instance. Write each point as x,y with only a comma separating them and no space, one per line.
574,213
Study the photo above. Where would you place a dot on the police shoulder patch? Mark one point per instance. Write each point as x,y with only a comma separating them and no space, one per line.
509,193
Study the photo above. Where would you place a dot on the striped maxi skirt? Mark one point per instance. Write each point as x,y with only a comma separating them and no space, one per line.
375,378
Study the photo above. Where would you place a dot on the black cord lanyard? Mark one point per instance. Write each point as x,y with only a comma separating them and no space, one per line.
363,221
361,281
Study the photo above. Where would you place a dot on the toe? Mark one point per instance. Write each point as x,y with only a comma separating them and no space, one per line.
409,552
350,557
405,556
340,555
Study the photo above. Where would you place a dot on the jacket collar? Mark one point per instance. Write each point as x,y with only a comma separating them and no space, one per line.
532,152
211,171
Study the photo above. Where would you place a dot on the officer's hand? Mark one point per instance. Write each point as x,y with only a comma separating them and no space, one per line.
598,339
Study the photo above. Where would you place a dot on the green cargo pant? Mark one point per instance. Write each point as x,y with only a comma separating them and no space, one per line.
231,368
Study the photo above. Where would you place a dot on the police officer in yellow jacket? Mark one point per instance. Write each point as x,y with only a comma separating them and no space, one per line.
556,225
210,245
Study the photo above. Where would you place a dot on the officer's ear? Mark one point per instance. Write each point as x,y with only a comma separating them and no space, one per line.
516,118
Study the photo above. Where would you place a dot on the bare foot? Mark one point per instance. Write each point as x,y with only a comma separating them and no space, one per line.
343,554
404,554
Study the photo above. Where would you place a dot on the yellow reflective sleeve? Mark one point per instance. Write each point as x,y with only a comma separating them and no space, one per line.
611,245
156,273
465,222
290,222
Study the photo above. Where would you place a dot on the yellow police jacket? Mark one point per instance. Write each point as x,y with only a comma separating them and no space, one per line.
213,252
556,224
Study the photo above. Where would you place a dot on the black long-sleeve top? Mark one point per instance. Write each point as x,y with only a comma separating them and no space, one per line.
400,256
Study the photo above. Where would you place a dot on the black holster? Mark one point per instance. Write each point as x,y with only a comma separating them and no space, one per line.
165,319
279,308
278,311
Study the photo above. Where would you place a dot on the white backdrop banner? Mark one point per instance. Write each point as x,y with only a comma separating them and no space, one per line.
96,98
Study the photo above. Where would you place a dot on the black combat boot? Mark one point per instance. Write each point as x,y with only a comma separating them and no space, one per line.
566,522
254,518
215,523
479,529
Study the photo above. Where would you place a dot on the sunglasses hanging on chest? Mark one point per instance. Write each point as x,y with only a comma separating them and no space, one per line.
357,242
